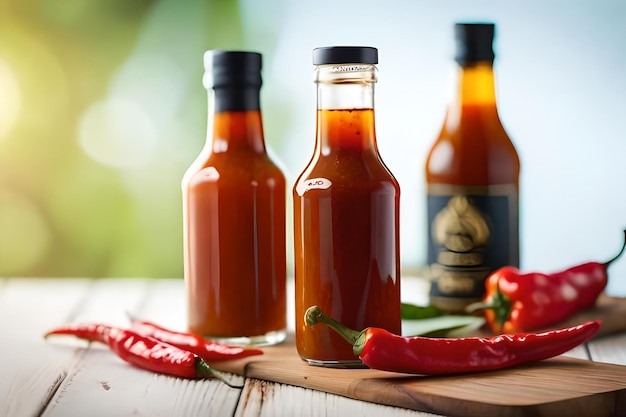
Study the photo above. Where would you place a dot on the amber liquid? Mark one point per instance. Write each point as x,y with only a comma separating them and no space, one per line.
473,148
235,261
346,237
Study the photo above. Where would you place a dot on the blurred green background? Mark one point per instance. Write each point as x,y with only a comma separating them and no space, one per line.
102,110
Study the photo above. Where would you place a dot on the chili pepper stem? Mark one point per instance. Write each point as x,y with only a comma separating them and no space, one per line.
610,261
203,369
499,303
314,315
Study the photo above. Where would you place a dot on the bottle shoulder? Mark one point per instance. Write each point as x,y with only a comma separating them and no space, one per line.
467,143
367,173
234,167
472,155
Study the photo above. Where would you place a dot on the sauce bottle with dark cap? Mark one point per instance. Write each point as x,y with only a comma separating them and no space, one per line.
234,214
472,176
346,213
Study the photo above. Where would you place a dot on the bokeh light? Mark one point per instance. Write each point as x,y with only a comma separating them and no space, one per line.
25,235
11,98
118,132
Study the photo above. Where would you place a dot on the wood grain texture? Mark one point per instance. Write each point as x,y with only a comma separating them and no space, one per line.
30,369
609,349
100,378
64,377
611,310
97,376
542,388
266,399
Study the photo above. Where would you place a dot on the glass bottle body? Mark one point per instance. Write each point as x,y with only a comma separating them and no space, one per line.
235,252
472,175
346,213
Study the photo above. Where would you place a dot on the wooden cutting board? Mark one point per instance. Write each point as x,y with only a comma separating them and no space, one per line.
611,310
556,387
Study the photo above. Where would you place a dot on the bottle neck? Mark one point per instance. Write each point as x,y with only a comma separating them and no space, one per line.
475,100
345,108
475,89
235,121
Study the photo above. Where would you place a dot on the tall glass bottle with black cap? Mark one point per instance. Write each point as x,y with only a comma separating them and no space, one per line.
234,214
472,175
346,208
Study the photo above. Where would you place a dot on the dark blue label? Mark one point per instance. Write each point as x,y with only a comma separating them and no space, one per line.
471,232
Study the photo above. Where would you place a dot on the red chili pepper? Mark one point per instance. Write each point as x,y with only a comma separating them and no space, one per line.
380,349
208,350
144,351
516,302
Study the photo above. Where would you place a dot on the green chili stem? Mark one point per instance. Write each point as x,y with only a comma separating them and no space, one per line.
609,262
500,304
315,316
203,369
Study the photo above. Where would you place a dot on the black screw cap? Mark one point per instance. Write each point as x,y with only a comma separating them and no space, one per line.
345,55
474,42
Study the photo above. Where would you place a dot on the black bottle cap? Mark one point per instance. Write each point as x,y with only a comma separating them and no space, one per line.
233,68
345,55
235,77
474,42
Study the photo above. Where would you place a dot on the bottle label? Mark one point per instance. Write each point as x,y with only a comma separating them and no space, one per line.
471,232
313,184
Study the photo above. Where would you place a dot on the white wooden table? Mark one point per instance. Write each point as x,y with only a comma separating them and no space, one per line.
67,377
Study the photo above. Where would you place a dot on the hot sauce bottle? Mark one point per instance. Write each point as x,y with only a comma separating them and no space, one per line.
346,209
472,175
234,214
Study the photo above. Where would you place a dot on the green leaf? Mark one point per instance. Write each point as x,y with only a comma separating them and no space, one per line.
414,312
442,326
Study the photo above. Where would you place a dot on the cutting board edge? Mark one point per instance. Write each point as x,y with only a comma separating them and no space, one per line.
597,404
365,385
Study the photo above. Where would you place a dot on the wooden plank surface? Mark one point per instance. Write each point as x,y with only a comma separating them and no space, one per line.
100,378
268,399
97,376
30,369
611,349
611,310
67,377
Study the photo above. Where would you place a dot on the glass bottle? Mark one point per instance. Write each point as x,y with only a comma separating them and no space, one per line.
472,175
346,209
234,214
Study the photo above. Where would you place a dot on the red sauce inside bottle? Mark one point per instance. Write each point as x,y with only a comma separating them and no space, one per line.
235,234
473,150
346,236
